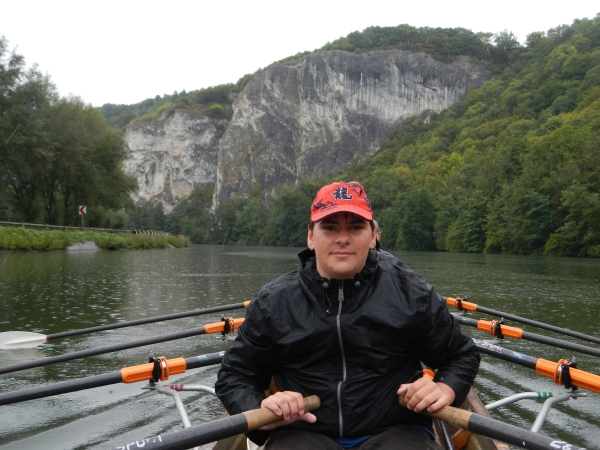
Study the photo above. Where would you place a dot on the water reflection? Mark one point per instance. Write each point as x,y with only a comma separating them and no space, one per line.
54,292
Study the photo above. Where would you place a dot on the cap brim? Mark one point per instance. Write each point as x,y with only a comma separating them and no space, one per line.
320,215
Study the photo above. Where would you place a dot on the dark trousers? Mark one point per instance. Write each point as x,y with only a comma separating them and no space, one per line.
401,437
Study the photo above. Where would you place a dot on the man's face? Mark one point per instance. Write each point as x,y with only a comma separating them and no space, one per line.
341,243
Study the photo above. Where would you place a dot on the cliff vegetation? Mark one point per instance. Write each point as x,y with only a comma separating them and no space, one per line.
213,101
444,44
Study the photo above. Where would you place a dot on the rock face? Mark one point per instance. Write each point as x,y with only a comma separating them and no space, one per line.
294,120
173,155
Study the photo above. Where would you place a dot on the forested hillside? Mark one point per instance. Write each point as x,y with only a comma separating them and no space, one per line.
512,168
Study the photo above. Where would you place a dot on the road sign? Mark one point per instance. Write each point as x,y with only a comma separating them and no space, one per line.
82,210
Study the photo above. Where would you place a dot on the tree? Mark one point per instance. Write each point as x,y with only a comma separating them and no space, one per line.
24,95
417,219
289,215
55,152
506,46
85,161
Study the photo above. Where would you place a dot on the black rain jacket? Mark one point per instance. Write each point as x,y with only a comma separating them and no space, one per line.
352,343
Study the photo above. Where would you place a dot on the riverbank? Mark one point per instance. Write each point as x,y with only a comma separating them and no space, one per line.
26,239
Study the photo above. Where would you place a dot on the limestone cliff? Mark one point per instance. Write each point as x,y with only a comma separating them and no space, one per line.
294,120
173,155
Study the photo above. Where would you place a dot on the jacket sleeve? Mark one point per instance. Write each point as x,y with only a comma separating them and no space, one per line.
444,346
246,368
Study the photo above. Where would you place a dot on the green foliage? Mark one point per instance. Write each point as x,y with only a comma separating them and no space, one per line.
466,233
216,111
55,153
27,239
416,221
217,94
191,217
100,217
444,44
580,234
243,219
147,217
151,116
214,101
289,214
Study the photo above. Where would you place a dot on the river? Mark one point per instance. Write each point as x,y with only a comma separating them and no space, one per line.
60,291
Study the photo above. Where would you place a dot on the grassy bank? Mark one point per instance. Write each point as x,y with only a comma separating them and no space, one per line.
26,239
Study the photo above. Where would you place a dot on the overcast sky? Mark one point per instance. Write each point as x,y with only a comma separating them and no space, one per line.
128,50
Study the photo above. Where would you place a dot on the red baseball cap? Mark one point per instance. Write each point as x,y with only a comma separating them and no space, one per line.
341,197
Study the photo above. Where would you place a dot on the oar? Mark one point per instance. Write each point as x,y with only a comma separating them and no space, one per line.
132,374
494,328
217,429
29,339
461,304
217,327
557,371
495,429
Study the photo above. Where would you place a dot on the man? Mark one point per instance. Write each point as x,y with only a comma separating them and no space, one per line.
377,236
353,330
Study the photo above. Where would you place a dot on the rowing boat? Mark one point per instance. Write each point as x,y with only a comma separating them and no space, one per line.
461,439
450,438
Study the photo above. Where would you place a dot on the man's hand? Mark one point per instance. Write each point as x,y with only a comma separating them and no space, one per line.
289,405
426,394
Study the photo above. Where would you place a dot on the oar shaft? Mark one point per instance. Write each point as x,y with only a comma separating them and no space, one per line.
210,328
495,429
474,307
215,430
63,387
560,343
550,369
132,374
507,355
131,323
502,431
101,350
543,326
517,333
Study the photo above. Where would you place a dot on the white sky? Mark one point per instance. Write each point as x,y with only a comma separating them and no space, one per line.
128,50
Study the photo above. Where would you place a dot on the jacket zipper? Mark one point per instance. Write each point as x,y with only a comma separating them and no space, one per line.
339,386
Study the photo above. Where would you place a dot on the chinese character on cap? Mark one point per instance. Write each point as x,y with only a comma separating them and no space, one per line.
341,197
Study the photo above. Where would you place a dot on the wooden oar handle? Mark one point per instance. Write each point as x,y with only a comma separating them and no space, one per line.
258,418
495,429
455,416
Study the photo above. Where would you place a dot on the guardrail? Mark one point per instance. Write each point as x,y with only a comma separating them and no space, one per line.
42,227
